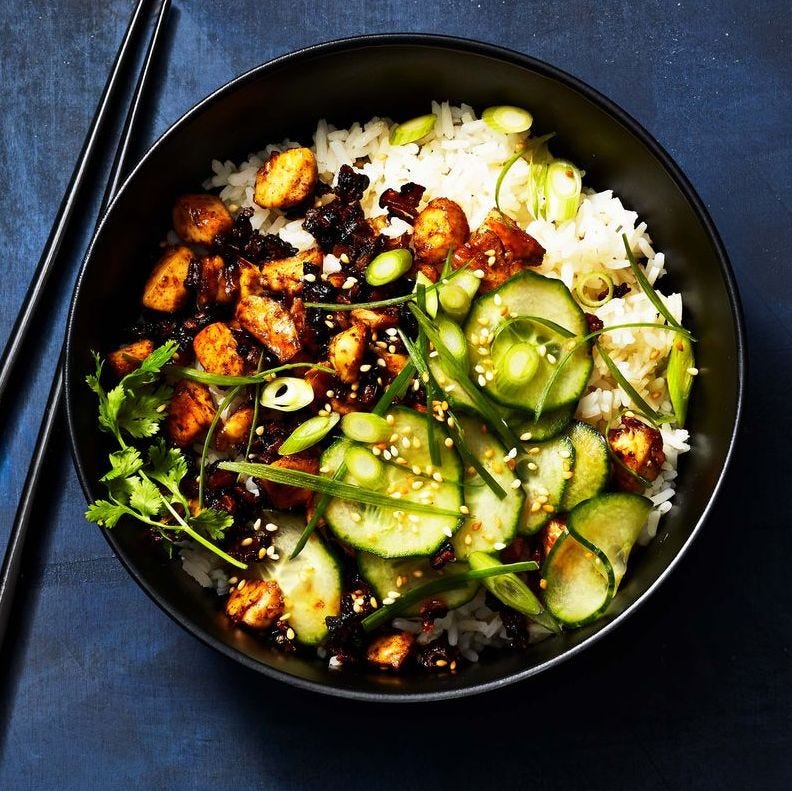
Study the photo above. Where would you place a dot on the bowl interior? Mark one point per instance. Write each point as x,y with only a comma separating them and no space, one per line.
397,77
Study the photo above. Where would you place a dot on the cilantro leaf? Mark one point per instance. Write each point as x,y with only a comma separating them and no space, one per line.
145,497
141,415
105,513
212,522
166,465
123,464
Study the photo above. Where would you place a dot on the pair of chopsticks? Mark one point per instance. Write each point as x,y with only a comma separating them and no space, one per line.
92,153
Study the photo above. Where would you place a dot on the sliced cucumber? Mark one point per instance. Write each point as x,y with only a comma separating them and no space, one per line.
544,470
311,583
494,326
549,425
494,520
404,574
586,565
392,533
592,467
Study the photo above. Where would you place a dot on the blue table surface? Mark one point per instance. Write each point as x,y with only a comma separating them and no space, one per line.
101,690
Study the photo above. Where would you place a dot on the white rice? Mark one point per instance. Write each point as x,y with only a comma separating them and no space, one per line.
461,160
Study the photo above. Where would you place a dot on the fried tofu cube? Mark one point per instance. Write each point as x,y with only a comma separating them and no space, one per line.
639,447
190,413
283,496
517,244
197,219
235,431
321,382
212,286
270,324
286,179
390,651
346,352
285,276
257,604
250,282
440,227
165,290
128,357
216,349
393,362
376,319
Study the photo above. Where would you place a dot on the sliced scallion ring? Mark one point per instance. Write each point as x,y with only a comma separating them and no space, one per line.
454,301
588,282
517,366
454,339
365,427
287,394
507,119
413,130
563,183
679,375
307,434
388,266
364,467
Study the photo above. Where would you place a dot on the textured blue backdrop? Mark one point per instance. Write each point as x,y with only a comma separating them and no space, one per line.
101,690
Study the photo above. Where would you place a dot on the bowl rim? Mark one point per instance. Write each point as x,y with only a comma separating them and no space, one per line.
470,46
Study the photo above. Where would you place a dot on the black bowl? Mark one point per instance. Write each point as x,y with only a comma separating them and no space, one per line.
397,76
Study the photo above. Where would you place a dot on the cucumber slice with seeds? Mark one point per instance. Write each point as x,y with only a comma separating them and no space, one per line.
494,520
401,575
580,586
396,532
311,583
592,465
495,325
544,470
549,425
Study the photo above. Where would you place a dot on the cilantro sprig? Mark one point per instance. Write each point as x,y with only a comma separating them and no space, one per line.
146,484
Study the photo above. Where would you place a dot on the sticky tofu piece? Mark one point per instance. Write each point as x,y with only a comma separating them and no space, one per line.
250,282
190,413
285,275
127,358
212,287
440,227
270,324
393,362
165,290
346,351
235,431
197,219
639,447
216,349
286,179
257,604
376,319
283,496
391,651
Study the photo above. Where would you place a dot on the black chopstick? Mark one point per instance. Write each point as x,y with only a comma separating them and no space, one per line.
12,562
48,262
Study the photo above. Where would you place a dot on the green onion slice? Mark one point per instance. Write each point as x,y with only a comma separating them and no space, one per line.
385,614
364,467
534,150
594,281
365,427
412,130
679,377
335,488
517,365
421,280
423,354
388,266
219,380
646,286
287,394
507,119
512,591
307,434
454,339
563,184
455,301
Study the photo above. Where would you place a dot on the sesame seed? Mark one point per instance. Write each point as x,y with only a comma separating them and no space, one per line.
262,553
481,380
343,258
693,371
526,436
329,324
499,545
516,483
564,454
483,351
392,349
479,273
309,278
405,442
246,542
373,603
510,455
416,485
257,524
551,358
567,475
392,332
498,300
463,509
448,442
386,454
290,634
387,600
541,350
532,466
441,663
162,407
543,584
270,551
349,282
356,517
534,451
536,506
418,574
491,260
365,368
259,430
241,585
233,580
448,532
488,253
437,477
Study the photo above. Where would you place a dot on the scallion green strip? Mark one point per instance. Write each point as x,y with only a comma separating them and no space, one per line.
227,399
625,385
531,148
344,491
423,355
480,402
256,394
389,611
386,303
219,380
595,334
646,286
